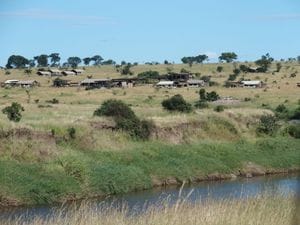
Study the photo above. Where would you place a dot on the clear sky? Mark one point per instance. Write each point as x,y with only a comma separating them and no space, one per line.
153,30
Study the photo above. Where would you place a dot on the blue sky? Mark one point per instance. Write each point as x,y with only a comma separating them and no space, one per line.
140,31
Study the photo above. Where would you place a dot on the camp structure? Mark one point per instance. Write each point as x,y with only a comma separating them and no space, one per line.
43,73
165,84
68,73
195,83
96,83
252,84
28,83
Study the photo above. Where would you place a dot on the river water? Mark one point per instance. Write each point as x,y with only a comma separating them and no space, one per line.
139,201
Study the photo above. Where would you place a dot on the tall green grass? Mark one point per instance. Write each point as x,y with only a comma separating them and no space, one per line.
81,173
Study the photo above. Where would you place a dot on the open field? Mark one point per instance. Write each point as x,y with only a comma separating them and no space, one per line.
41,163
260,210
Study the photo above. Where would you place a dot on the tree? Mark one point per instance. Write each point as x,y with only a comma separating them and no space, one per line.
109,62
200,58
264,62
17,61
177,103
298,59
194,59
74,61
228,57
126,70
13,112
42,60
97,60
31,63
55,59
87,61
188,60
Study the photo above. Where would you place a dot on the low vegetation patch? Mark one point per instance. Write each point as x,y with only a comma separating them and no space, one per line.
177,103
125,118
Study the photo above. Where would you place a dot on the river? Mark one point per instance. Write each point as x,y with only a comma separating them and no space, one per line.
139,201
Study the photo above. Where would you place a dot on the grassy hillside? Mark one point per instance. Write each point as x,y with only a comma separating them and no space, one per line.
41,163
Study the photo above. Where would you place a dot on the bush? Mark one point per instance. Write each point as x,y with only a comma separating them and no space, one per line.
53,101
115,108
72,132
149,75
220,69
294,130
296,114
201,104
219,108
13,112
212,96
125,119
268,124
281,111
209,96
177,103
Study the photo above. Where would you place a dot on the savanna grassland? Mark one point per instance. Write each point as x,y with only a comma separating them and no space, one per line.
42,161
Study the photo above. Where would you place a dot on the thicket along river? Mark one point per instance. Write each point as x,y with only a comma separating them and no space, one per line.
139,201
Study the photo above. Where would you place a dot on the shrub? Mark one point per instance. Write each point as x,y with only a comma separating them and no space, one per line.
149,75
53,101
209,96
212,96
115,108
294,130
201,104
13,112
72,132
268,124
219,108
296,114
281,109
177,103
220,69
125,119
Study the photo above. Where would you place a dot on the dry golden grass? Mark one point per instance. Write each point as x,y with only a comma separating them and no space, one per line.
76,105
259,210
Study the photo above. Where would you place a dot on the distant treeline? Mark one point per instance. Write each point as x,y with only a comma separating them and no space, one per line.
54,60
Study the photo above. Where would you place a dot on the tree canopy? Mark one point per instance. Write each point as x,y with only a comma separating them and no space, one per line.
228,57
74,61
17,61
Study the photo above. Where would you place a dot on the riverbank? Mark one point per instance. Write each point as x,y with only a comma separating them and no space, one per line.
265,209
82,174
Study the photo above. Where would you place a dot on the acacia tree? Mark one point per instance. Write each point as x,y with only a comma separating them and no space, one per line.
42,60
264,62
17,61
194,59
97,60
228,57
55,59
74,61
86,61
